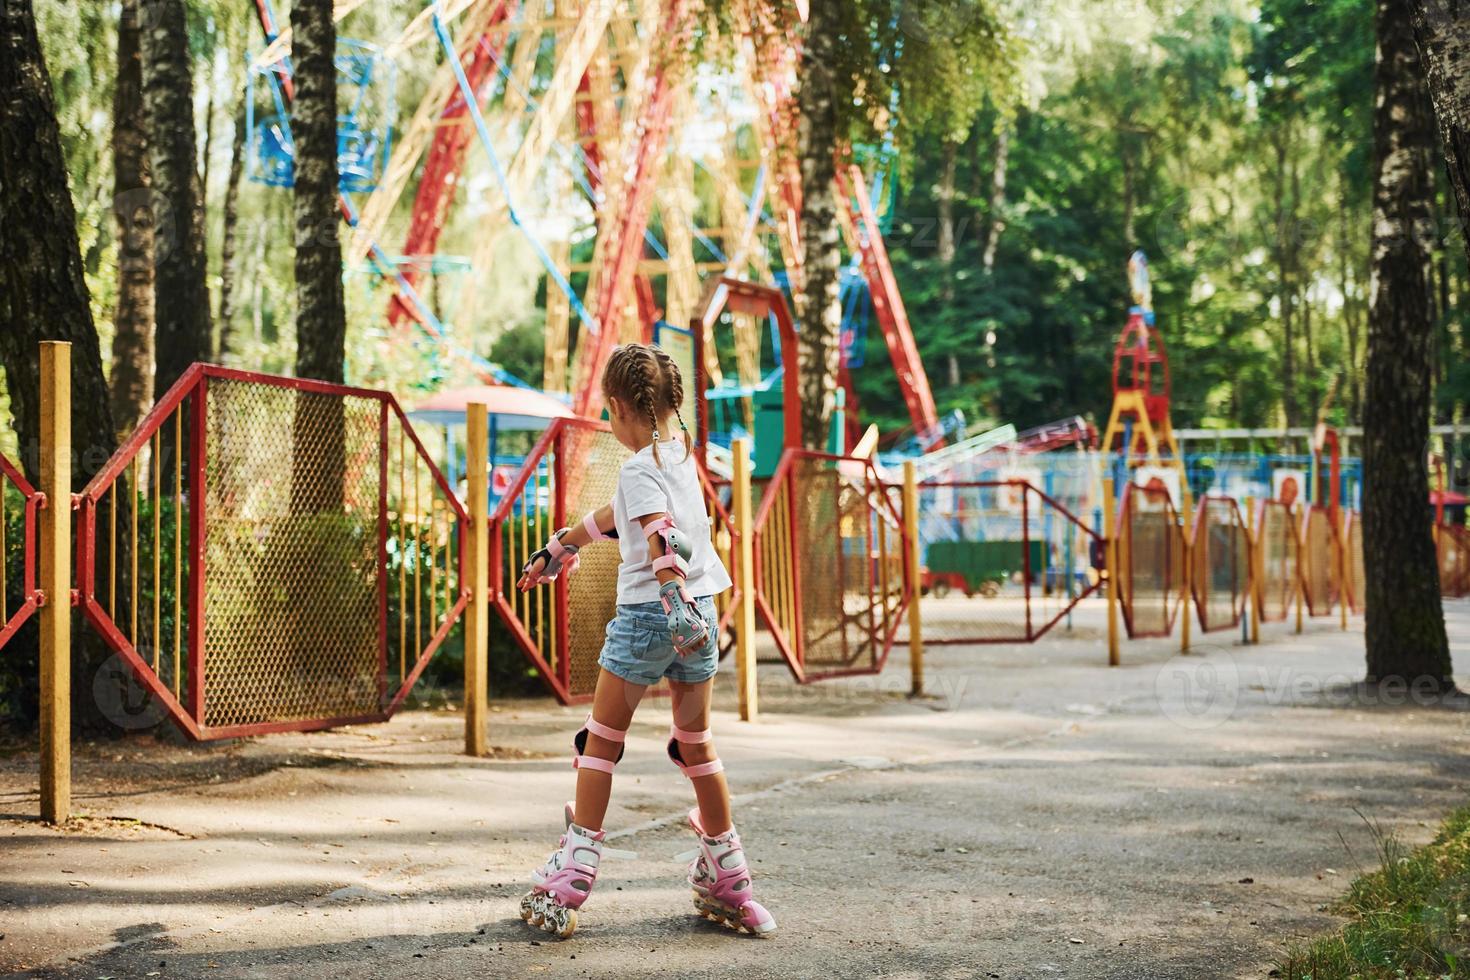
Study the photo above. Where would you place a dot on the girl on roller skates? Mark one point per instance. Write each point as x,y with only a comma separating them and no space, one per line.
665,627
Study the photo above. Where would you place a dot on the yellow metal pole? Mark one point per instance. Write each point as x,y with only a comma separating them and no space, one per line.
55,555
477,571
916,578
1187,550
740,512
1342,566
1256,563
1301,575
1110,548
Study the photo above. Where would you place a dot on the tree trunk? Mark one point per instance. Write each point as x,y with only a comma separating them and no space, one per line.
181,297
944,198
321,318
132,211
227,244
1404,625
997,219
43,296
1442,28
818,304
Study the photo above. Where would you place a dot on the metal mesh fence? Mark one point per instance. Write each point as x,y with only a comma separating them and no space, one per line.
573,470
1150,561
422,553
590,460
291,588
1356,591
240,553
1278,548
829,551
1002,561
1220,556
1452,545
18,529
1320,564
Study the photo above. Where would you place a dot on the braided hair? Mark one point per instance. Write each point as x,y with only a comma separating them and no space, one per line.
645,377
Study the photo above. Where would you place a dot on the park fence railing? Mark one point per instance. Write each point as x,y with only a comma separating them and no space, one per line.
1452,547
271,554
1026,555
1150,561
830,565
19,595
1220,571
1277,554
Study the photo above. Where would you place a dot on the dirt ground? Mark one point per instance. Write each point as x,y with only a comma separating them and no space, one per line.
1039,815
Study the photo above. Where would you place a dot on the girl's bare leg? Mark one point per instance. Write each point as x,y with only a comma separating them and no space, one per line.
691,713
613,705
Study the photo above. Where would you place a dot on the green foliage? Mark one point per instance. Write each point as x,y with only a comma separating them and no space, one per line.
1409,919
1232,143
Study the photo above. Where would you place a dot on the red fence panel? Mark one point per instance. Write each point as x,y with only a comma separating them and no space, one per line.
573,470
1279,549
829,565
1220,576
1356,591
1026,556
271,554
1150,561
1452,546
1320,563
19,498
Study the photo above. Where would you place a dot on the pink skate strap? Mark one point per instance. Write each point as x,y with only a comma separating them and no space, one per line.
603,731
589,524
691,738
556,549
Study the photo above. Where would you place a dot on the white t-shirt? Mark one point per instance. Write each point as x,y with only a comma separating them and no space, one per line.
641,492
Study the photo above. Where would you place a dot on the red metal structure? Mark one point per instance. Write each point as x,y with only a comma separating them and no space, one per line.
1141,365
1278,550
281,549
1150,561
443,163
888,308
628,223
32,500
830,565
1019,549
572,470
759,302
1220,580
1321,560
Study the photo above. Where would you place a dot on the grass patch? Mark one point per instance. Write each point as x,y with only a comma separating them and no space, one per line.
1409,919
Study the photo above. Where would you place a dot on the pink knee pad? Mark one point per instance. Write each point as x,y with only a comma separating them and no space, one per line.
579,741
679,736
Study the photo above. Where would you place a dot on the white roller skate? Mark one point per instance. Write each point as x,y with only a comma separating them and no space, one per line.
563,883
721,882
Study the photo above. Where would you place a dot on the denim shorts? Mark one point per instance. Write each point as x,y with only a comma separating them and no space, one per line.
639,649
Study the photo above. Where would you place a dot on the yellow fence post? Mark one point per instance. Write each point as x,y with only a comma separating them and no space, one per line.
1110,550
477,573
1186,594
740,512
1255,563
1342,566
1300,531
55,555
916,577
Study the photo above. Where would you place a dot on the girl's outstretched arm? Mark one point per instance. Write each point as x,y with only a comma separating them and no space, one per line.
577,536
